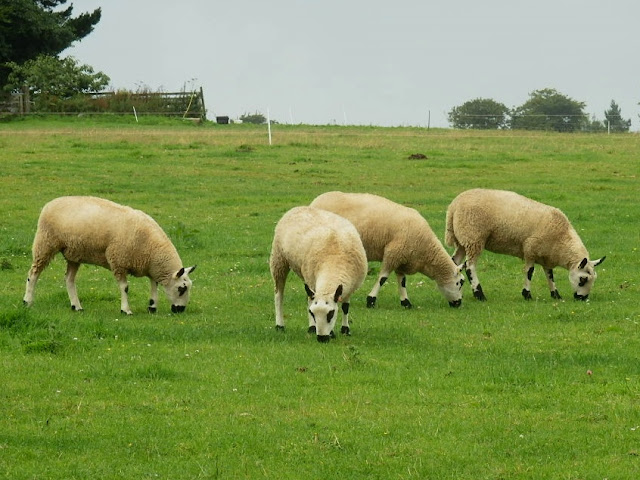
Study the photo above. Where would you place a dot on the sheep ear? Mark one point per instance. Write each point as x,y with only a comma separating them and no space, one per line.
190,269
336,296
180,273
583,263
599,261
310,293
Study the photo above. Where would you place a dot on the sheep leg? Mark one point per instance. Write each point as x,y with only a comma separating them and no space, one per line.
312,320
373,294
153,297
528,275
278,304
458,255
121,278
552,285
402,290
472,275
279,272
345,330
70,281
278,301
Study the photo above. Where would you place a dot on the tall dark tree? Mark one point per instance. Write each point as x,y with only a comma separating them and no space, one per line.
481,113
29,28
548,109
614,118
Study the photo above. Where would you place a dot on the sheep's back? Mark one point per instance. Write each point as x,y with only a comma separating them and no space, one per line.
502,219
84,227
378,220
305,236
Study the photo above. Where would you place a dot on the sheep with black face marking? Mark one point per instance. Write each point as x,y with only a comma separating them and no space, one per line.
400,238
325,251
505,222
100,232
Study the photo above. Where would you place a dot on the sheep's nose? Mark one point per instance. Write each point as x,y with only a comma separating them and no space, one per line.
581,297
324,338
455,303
178,308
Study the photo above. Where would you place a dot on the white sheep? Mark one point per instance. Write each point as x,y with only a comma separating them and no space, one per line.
507,223
100,232
401,239
325,251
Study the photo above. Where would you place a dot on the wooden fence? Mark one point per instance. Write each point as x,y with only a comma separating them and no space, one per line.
174,104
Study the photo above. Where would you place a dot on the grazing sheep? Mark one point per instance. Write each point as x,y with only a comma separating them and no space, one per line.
100,232
325,251
401,239
508,223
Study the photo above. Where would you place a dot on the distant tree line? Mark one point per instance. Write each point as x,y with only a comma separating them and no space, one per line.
546,109
33,34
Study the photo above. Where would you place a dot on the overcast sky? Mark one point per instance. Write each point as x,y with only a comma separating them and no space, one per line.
369,62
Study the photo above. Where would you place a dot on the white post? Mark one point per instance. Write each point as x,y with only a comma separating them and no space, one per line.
608,127
269,126
135,114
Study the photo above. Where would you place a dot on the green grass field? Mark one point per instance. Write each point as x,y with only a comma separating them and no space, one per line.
494,390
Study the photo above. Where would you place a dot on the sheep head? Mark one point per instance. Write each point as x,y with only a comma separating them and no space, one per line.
452,290
178,289
323,309
582,276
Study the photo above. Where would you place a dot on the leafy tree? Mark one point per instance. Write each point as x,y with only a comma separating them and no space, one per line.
481,113
256,118
50,79
614,117
547,109
52,76
29,28
594,125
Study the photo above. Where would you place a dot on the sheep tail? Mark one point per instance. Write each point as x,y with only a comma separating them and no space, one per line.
449,235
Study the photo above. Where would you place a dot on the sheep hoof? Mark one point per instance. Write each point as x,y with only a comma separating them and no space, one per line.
152,309
76,309
556,295
126,313
312,329
371,301
406,303
479,294
526,294
344,330
455,303
280,328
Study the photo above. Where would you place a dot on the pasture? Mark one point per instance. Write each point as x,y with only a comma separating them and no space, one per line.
505,389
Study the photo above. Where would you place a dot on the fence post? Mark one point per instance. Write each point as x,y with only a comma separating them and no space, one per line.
204,110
